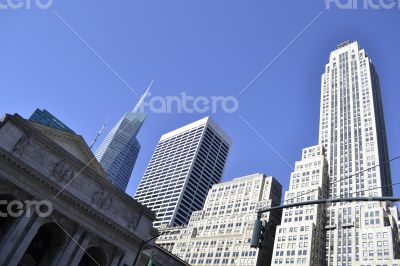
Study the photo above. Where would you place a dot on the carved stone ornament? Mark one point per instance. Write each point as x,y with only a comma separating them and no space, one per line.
62,171
102,199
132,223
21,144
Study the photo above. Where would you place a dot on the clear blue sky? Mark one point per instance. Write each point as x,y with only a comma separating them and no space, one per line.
200,47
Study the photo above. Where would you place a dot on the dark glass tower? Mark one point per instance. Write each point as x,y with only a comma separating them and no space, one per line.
44,117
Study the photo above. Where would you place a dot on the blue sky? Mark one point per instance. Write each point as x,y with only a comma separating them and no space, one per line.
204,48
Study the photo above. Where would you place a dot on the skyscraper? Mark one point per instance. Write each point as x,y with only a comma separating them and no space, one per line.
220,233
184,166
352,131
120,149
300,239
44,117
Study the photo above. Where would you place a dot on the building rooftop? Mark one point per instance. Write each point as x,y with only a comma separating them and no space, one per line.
204,121
44,117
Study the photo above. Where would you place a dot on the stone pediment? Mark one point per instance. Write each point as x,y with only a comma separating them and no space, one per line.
54,163
43,164
72,143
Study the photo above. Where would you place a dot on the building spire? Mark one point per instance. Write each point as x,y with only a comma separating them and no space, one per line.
141,101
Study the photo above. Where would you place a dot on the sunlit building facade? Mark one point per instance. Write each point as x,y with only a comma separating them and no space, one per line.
220,233
352,131
300,239
184,166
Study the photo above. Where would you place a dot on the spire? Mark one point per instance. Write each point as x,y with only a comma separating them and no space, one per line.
141,101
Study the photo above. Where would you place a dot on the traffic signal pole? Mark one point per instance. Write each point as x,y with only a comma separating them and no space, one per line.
333,200
259,227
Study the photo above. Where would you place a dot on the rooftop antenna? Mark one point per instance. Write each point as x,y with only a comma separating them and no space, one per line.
98,133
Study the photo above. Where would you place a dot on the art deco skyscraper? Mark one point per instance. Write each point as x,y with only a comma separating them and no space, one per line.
120,149
300,239
184,166
352,131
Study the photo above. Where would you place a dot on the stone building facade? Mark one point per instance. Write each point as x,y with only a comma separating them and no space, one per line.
169,236
352,131
186,163
88,221
220,233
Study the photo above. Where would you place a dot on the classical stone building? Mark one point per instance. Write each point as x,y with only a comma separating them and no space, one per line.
220,233
88,221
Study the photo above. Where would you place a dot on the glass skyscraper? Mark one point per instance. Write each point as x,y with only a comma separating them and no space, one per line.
185,165
44,117
120,149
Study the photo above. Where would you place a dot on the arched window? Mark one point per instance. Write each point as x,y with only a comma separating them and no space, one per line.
44,246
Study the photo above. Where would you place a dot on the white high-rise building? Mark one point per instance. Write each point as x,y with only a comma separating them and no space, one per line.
352,131
184,166
220,233
300,239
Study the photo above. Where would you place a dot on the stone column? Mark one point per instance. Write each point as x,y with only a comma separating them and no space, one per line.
116,258
13,237
25,242
81,250
127,259
71,245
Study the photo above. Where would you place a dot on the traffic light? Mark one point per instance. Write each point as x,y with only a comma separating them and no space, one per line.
258,232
